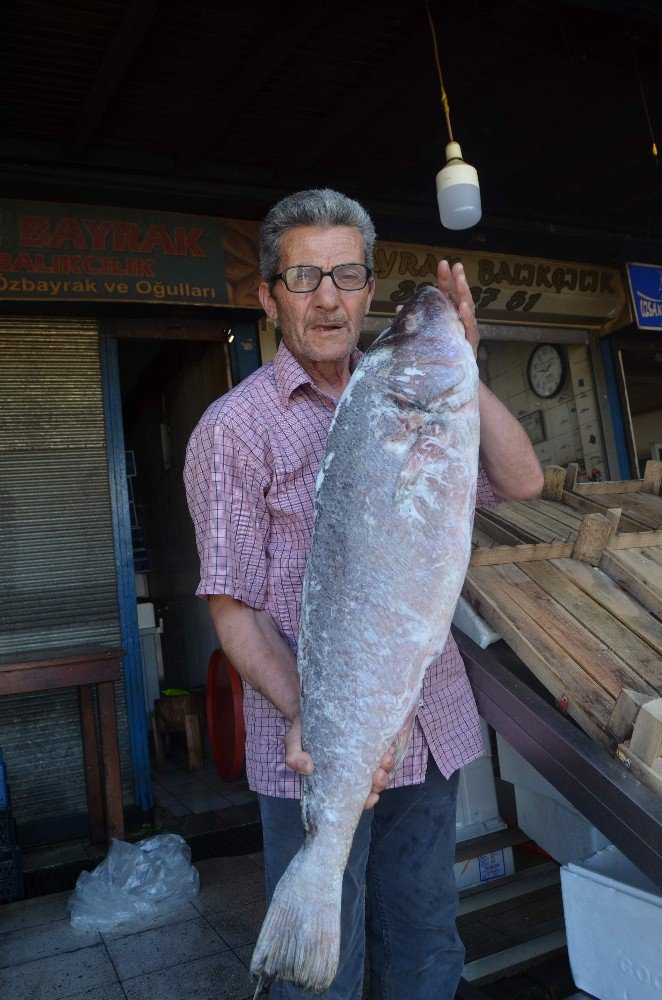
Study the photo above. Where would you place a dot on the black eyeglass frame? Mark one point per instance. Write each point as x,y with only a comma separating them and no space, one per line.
323,274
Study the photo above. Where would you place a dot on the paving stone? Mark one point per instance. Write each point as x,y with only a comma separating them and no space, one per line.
31,912
224,871
239,926
55,977
217,977
163,947
54,938
219,895
177,916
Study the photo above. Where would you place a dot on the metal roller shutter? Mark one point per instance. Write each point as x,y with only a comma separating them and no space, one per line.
57,567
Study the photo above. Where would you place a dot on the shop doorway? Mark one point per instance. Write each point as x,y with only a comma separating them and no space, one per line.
169,373
641,375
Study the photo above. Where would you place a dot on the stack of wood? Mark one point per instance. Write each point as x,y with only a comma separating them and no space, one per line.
573,583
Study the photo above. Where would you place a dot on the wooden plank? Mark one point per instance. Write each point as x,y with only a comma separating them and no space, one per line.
545,518
637,540
625,712
501,554
112,778
554,478
592,537
571,476
590,506
616,486
588,704
606,592
91,763
594,657
644,663
648,571
480,539
487,522
651,776
612,563
646,740
555,512
644,506
520,522
655,552
652,481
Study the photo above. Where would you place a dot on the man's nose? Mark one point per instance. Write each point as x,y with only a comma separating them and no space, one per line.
326,291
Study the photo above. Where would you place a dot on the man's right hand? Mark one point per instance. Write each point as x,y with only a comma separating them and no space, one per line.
301,762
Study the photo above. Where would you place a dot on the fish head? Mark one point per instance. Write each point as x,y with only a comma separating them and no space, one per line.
425,357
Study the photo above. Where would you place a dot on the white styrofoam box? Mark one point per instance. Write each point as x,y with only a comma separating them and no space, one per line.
142,587
486,867
146,617
477,814
544,814
476,799
470,622
613,917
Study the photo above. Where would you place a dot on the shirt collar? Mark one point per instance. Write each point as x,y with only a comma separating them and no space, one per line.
290,375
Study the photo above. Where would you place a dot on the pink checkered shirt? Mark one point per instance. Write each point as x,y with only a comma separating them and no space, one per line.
250,477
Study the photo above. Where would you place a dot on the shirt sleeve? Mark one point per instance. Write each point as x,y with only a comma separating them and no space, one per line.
226,490
485,495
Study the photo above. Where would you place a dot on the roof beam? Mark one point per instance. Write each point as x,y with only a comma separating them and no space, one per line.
135,23
301,18
371,92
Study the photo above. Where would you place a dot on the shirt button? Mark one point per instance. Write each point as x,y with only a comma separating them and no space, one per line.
421,703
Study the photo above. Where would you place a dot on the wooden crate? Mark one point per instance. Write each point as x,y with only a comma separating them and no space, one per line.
575,588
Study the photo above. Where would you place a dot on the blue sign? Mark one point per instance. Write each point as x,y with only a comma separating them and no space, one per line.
646,291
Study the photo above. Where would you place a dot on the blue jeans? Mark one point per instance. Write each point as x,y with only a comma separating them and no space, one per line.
402,855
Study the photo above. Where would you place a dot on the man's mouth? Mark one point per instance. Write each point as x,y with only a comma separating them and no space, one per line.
326,327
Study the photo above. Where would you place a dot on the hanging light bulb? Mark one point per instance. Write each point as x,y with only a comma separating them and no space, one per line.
458,193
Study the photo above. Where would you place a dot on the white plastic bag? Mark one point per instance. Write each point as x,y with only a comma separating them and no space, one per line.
134,882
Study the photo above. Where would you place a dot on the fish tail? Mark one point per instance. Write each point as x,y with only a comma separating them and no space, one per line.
300,937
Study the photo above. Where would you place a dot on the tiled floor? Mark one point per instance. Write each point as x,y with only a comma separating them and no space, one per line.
181,791
201,950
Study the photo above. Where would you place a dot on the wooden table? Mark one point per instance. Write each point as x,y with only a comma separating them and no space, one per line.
82,668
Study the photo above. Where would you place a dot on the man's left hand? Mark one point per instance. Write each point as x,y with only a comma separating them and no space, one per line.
454,283
302,762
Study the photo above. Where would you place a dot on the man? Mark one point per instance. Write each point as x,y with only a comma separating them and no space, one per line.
250,474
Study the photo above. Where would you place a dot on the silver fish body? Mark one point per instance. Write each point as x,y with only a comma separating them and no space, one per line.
391,544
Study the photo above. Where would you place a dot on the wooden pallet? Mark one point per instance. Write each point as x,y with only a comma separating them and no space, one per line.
577,593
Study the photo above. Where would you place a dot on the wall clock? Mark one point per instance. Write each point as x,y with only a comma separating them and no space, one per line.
546,370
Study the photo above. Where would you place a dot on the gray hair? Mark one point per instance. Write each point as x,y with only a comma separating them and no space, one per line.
316,207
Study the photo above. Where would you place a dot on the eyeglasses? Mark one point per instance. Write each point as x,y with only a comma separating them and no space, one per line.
308,277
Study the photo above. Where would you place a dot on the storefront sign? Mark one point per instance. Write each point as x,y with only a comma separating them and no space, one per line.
60,252
505,288
645,281
75,252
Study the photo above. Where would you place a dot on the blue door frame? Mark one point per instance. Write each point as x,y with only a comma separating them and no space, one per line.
625,470
126,584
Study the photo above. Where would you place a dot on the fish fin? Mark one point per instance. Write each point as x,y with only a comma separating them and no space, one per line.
422,455
400,744
300,937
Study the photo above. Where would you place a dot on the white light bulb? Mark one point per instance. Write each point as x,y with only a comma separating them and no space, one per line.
458,192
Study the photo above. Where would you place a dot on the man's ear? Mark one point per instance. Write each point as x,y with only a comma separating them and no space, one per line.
268,302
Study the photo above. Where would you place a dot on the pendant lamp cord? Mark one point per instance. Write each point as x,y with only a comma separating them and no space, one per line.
643,99
444,98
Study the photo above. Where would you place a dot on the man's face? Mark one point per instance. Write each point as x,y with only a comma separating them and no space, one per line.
321,326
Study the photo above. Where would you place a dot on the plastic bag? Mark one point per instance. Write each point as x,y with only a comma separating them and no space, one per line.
134,882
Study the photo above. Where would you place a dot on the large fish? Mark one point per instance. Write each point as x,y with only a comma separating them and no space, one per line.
391,543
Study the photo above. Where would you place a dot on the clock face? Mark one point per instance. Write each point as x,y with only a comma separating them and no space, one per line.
546,370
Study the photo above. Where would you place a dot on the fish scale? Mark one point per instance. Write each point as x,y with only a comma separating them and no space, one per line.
394,506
